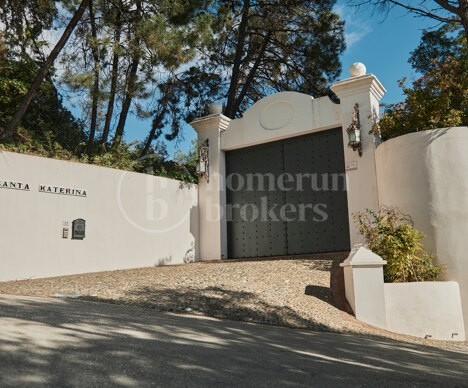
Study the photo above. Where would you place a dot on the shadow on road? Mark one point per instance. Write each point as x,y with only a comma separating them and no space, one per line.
214,302
72,343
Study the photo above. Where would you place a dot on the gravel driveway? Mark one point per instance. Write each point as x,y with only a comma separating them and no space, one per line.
294,293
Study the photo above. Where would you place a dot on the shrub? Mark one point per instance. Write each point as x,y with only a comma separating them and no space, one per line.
391,235
124,157
436,100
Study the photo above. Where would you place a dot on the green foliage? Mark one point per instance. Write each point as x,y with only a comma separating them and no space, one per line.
436,100
123,157
252,49
157,162
391,235
24,20
278,45
27,143
46,119
172,169
439,46
189,158
48,129
128,58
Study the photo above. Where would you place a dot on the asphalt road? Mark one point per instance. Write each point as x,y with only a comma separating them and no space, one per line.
55,342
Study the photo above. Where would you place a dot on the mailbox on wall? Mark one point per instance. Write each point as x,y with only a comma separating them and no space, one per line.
79,229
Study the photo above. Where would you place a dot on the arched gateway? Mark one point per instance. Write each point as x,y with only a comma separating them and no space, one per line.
281,180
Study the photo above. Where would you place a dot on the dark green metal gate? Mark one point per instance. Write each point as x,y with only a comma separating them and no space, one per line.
287,197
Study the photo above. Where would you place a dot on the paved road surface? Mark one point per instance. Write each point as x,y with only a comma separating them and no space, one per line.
52,342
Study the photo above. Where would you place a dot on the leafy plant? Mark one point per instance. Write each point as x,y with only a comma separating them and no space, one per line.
438,99
447,41
46,117
391,235
124,157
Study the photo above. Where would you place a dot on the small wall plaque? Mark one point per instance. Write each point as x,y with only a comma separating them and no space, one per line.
351,166
79,229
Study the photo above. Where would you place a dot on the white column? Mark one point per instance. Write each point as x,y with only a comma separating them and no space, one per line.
364,285
212,194
365,90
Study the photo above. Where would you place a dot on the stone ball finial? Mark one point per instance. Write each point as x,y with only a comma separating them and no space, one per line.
215,108
357,69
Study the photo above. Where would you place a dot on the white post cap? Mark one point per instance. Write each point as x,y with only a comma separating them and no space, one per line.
361,256
357,69
215,108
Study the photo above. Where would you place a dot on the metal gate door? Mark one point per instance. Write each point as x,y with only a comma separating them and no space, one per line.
287,197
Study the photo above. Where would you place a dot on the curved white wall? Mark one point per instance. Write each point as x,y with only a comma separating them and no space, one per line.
425,175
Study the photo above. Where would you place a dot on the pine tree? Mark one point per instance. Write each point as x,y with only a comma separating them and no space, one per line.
43,71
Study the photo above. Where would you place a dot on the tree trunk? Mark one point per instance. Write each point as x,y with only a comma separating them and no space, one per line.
132,78
156,124
131,87
113,87
154,127
234,85
95,93
42,73
251,76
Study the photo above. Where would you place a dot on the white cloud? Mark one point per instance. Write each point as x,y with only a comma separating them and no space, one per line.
353,37
356,28
340,10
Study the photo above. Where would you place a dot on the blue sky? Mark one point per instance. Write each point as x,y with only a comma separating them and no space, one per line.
382,43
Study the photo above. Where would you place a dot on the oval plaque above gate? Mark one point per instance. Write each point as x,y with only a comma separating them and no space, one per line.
276,115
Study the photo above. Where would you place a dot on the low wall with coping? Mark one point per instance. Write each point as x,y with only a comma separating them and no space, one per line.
425,175
425,309
421,309
132,220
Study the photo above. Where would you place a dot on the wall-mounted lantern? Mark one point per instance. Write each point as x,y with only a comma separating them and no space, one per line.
203,160
354,131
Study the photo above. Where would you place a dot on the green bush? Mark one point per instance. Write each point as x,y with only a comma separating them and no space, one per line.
46,118
438,99
125,157
391,235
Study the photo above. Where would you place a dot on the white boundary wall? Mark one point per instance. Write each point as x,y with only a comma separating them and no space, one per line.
421,309
425,309
132,220
425,174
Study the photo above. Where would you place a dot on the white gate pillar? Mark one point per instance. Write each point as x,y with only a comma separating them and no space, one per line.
212,192
364,285
365,90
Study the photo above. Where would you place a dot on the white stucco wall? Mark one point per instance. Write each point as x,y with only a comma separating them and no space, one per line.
132,220
425,174
425,309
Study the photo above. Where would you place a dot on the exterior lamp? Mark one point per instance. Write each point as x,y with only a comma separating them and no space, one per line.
203,160
354,131
201,167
